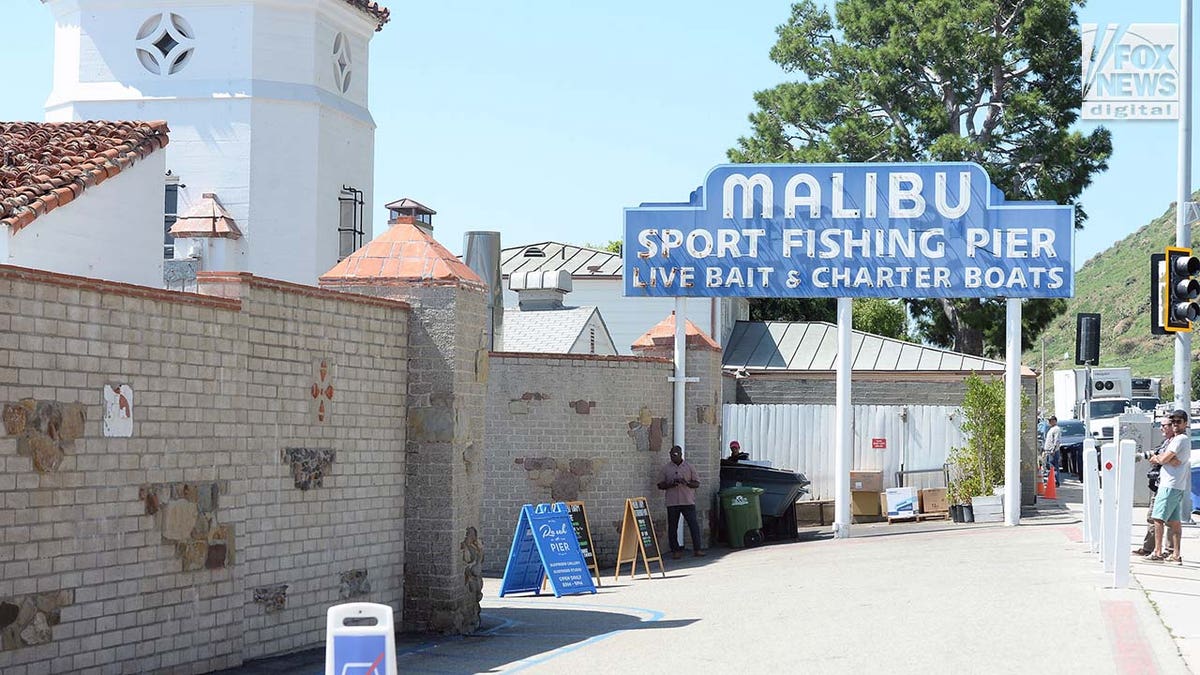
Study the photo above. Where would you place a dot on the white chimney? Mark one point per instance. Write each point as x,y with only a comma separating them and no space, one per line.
540,290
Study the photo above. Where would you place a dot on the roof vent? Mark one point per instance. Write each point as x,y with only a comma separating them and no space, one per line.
534,252
594,268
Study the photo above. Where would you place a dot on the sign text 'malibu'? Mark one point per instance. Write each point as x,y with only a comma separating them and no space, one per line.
849,230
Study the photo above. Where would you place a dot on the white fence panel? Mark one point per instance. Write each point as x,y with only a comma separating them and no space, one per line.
801,437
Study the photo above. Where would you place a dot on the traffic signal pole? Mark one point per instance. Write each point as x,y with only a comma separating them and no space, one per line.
1183,197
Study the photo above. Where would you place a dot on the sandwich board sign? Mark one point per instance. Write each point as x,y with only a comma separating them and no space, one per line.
545,547
638,540
583,533
360,640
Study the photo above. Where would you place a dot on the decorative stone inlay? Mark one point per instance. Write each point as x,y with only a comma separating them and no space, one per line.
45,430
354,584
118,411
309,465
566,478
472,557
187,517
582,407
165,43
272,598
29,620
647,431
321,391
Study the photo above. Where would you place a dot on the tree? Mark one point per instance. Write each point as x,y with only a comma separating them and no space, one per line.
996,82
881,317
871,315
613,246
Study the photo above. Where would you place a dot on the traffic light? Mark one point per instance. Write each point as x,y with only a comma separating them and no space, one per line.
1181,289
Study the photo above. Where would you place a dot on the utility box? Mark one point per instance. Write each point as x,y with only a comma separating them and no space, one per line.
1139,428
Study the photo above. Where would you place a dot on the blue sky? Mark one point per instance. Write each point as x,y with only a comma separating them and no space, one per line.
544,119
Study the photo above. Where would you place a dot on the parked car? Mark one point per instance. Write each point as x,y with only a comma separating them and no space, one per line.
1073,433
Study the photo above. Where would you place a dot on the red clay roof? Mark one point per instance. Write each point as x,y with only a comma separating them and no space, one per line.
405,253
206,219
382,14
663,335
46,165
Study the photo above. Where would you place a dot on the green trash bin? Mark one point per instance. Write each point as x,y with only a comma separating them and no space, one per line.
743,515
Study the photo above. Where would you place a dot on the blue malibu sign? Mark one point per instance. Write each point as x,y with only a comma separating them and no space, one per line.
849,230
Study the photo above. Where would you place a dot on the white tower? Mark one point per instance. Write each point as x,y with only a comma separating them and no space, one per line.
267,106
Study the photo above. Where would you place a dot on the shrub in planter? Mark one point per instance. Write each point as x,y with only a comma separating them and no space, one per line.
977,467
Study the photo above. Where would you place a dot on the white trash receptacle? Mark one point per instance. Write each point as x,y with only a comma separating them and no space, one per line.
367,646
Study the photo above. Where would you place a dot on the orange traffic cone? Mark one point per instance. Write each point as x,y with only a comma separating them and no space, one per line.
1050,492
1041,486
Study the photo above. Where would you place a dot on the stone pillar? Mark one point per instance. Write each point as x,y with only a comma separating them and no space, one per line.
702,407
447,385
703,428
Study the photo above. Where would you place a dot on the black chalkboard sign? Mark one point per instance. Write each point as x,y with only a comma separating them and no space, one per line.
641,515
584,534
638,539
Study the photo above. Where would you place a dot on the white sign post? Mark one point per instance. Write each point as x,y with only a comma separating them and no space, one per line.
1091,496
1108,505
1126,468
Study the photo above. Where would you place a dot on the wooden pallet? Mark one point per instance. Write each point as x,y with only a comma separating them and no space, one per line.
902,519
936,515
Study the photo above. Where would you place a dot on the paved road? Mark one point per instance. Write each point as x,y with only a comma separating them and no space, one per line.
905,598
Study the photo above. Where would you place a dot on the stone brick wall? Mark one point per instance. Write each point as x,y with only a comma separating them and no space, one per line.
573,427
185,486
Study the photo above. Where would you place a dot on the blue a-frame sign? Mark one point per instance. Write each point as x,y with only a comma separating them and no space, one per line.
544,546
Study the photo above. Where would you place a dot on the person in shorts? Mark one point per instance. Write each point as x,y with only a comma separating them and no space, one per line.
1167,512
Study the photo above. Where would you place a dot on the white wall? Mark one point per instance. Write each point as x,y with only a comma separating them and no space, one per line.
604,345
801,438
255,116
111,231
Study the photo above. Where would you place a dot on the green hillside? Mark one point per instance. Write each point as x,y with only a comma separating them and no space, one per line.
1115,283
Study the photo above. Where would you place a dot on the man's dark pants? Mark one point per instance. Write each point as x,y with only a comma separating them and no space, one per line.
688,511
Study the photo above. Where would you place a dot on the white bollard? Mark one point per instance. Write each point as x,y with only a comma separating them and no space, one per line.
1126,468
368,647
1091,496
1108,505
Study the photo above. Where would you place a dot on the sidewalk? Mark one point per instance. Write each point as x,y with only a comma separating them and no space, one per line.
1172,590
905,597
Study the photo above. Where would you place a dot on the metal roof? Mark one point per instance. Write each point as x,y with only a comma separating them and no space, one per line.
812,345
580,261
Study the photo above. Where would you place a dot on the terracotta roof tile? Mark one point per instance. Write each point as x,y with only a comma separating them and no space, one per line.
382,14
46,165
404,253
663,336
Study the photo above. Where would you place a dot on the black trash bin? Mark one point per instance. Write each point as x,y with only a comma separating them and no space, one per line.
781,488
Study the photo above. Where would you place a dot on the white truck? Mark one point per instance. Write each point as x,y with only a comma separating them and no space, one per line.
1147,393
1111,395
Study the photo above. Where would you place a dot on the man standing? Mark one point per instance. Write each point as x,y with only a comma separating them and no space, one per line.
1050,449
1172,483
680,480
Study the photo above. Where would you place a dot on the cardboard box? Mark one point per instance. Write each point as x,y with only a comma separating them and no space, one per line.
901,501
865,504
866,481
934,500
